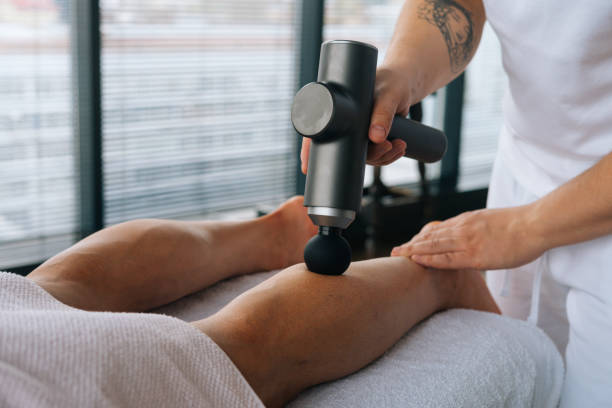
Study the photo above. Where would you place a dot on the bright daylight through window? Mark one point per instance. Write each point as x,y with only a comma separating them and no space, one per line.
37,169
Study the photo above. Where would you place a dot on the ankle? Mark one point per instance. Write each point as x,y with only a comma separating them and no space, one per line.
447,284
273,254
466,289
288,230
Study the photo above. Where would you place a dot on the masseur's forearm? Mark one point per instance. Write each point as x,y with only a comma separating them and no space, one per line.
578,211
433,42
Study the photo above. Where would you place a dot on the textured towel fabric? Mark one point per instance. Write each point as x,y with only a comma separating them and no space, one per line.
52,355
458,358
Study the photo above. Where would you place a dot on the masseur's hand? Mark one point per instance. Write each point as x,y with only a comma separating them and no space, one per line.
390,98
483,239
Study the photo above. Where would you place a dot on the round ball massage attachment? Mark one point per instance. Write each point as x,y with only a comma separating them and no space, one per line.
328,253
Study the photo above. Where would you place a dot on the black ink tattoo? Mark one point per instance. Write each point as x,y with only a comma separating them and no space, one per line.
455,24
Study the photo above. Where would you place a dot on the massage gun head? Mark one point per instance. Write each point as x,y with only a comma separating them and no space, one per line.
328,253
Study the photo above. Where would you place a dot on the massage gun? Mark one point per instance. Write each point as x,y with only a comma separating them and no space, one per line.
334,113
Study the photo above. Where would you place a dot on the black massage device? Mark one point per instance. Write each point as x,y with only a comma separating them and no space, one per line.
335,113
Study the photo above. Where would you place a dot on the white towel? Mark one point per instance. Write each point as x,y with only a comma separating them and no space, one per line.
52,355
458,358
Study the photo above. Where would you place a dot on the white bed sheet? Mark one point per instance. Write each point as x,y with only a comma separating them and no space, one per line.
458,358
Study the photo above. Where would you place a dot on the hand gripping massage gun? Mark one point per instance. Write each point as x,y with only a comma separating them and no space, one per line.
334,113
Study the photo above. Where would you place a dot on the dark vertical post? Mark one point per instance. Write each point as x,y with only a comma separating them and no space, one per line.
453,112
87,114
311,37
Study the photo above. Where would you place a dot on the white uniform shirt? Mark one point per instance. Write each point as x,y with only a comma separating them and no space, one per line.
558,110
557,124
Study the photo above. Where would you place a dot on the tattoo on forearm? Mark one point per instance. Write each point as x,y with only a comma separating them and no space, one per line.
455,24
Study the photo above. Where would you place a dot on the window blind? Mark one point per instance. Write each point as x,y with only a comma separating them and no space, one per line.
196,101
37,169
373,22
485,83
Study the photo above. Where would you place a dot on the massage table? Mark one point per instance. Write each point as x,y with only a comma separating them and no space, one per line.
456,358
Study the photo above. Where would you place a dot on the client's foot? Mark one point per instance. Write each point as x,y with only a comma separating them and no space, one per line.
292,230
469,291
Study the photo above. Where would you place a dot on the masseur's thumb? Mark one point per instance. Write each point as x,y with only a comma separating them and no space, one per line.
384,110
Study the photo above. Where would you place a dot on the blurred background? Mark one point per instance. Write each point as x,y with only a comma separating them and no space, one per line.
112,110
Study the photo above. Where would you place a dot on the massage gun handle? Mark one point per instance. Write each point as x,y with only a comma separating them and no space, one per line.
423,143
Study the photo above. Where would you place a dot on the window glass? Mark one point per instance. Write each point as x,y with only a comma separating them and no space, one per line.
196,100
37,169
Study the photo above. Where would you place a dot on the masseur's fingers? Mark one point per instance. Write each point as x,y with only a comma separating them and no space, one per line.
305,153
484,239
437,245
376,151
386,152
447,260
434,245
398,147
387,100
430,225
436,239
393,158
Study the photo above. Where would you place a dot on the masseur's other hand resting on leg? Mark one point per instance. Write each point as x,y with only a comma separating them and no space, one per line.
578,211
432,44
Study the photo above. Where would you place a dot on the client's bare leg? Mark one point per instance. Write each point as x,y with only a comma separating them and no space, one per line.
139,265
299,329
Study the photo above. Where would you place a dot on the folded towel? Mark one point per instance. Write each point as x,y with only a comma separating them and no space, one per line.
458,358
52,355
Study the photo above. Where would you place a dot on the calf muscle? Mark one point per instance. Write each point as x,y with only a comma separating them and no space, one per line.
299,329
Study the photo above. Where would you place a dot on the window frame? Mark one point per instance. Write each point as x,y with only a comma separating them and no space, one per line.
87,108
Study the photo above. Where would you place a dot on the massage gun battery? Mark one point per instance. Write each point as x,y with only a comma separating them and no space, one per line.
334,113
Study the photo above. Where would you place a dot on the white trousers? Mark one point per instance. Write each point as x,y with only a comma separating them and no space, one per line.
567,292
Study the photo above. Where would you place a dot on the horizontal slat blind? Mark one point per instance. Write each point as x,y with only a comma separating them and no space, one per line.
373,22
196,99
482,113
37,170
